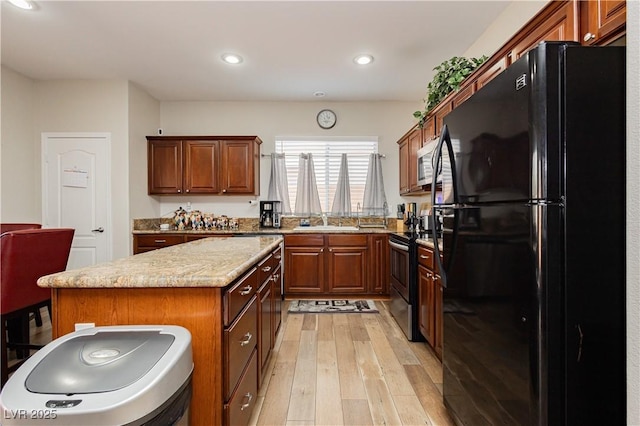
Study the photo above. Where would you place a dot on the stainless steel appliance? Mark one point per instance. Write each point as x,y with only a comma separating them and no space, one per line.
425,162
119,375
534,328
270,214
404,286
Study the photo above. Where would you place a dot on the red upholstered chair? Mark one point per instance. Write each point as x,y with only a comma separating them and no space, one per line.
26,256
6,227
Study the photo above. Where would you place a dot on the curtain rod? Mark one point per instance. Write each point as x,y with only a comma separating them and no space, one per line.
330,155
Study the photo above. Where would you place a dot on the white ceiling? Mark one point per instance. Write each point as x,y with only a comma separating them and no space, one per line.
291,49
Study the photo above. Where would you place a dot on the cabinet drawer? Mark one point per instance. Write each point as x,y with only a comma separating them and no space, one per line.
425,257
312,240
159,240
240,406
265,268
239,342
347,240
238,296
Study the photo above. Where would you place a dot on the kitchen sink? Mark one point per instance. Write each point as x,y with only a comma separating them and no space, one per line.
325,228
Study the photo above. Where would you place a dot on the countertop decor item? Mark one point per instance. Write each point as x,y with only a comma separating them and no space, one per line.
449,75
332,306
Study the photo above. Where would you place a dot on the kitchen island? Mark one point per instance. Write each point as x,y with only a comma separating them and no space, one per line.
208,286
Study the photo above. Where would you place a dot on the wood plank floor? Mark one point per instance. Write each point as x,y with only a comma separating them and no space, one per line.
342,369
349,369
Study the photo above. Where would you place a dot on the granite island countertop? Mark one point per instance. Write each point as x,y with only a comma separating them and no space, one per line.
208,262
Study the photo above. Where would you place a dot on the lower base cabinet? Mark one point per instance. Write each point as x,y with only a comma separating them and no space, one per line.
430,300
269,308
336,265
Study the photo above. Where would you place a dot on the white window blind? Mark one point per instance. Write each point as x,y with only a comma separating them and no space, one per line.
326,157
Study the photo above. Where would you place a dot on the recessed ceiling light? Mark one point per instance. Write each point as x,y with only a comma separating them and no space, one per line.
232,58
318,94
22,4
363,59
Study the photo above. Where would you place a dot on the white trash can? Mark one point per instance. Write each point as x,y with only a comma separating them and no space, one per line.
119,375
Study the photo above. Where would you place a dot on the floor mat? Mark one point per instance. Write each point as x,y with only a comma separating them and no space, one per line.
332,306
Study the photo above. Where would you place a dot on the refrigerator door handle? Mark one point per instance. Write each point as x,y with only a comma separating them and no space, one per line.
445,139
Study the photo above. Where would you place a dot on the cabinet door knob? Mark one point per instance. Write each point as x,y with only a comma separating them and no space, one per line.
246,340
179,190
248,397
589,37
187,190
224,190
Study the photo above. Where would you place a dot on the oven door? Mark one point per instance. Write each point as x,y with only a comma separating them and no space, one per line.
400,303
399,268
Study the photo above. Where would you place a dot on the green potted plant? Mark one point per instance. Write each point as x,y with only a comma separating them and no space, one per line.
449,75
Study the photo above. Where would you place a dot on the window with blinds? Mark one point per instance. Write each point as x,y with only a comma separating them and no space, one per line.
326,159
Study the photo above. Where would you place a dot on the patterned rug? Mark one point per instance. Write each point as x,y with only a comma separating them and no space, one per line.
332,306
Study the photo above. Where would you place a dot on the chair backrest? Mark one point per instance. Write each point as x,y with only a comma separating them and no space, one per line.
26,256
7,227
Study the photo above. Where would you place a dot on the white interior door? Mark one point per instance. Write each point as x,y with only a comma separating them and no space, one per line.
75,192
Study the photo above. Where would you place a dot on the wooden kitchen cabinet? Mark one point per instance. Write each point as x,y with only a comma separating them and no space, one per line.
269,308
430,299
336,264
304,264
378,264
602,21
409,145
346,263
562,25
153,241
147,242
213,165
403,166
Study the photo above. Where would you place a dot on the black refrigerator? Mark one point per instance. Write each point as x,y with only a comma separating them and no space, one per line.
533,242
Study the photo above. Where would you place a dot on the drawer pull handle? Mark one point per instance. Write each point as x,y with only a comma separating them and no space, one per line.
266,268
422,256
160,241
246,290
277,256
248,397
246,340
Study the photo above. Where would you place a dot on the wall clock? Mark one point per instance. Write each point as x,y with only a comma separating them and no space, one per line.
326,119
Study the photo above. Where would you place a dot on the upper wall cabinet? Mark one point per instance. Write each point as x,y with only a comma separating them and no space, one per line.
602,21
213,165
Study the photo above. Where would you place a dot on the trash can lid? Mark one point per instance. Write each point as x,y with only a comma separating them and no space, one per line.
102,362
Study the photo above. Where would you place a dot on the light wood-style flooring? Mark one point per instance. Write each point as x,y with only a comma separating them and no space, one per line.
342,369
350,369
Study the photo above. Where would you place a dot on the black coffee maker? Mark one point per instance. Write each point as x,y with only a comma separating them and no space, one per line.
270,214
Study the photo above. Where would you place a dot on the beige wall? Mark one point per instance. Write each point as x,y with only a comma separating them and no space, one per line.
144,119
514,17
20,161
386,120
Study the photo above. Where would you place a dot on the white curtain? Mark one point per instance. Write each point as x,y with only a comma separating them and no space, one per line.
374,197
307,198
342,200
278,184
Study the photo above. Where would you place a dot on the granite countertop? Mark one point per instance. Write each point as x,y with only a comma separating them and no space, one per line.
265,231
209,262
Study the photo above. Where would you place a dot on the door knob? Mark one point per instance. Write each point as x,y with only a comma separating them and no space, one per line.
101,229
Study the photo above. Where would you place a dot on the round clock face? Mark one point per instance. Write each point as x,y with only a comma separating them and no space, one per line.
326,119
